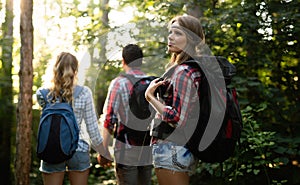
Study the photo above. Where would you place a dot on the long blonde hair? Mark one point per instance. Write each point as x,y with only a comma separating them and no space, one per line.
65,76
195,38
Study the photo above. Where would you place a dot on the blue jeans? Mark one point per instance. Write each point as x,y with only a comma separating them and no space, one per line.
133,175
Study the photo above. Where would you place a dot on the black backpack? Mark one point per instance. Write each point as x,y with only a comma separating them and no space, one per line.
58,131
222,146
141,113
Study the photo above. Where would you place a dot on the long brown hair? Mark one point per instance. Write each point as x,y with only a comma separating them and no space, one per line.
195,38
64,79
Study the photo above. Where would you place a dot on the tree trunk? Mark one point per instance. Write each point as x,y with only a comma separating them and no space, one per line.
105,10
6,94
105,21
24,111
194,8
104,4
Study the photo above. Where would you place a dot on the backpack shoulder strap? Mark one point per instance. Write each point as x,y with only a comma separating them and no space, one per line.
44,93
131,78
77,91
169,72
211,65
195,63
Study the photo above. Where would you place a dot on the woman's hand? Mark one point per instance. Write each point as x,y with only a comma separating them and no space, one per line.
103,161
104,157
149,93
150,96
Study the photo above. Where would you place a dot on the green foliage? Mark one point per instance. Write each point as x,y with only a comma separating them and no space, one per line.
35,174
105,74
40,68
260,38
165,8
255,157
100,175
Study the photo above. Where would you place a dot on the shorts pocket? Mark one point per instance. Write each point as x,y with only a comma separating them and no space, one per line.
181,157
159,153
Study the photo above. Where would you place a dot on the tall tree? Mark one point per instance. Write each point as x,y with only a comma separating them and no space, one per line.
92,36
6,94
104,7
105,22
24,111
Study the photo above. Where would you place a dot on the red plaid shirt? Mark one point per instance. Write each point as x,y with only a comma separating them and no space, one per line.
116,106
182,94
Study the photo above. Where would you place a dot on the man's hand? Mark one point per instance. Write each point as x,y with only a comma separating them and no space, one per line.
104,162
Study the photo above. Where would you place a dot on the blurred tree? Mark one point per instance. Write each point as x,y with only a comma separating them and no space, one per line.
24,109
92,36
7,110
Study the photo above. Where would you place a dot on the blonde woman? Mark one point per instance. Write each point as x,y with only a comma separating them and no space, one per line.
62,89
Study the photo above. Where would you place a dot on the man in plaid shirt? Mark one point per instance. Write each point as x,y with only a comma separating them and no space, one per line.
133,162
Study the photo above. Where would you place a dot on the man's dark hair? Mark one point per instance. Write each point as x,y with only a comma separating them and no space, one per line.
132,55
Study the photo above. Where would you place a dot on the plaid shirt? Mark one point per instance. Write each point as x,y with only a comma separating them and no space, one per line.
116,106
86,116
181,95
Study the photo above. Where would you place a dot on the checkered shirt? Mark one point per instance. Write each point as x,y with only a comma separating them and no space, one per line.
116,106
86,116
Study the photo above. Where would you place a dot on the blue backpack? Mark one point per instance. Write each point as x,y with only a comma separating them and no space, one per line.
58,131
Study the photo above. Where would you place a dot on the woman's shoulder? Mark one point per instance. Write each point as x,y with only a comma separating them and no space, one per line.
186,68
41,94
40,89
186,71
82,90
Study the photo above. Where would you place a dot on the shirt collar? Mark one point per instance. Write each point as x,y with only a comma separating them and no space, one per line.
135,71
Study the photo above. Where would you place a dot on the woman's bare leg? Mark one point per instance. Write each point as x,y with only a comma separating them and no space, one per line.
167,177
79,177
55,178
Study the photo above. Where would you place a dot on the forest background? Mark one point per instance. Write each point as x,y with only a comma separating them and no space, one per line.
261,38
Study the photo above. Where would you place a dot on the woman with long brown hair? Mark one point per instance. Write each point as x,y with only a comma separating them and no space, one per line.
173,162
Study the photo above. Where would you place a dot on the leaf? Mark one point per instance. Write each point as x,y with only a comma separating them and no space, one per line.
256,171
280,150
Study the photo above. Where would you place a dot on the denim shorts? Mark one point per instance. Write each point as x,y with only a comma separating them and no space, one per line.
79,162
169,155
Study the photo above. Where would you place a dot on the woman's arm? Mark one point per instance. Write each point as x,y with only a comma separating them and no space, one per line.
150,97
183,92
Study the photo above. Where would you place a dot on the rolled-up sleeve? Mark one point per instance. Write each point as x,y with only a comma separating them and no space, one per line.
183,90
111,106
